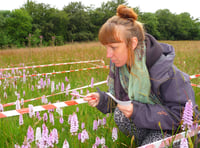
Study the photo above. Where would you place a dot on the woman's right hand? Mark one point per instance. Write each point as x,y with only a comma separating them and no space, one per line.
93,99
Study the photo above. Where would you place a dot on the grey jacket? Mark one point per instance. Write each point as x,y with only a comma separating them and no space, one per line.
170,85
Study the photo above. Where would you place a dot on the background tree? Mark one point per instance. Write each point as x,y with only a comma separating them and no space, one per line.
18,26
100,15
151,23
41,14
4,36
80,24
38,24
166,25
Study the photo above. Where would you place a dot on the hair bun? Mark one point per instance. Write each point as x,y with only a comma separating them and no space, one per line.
124,12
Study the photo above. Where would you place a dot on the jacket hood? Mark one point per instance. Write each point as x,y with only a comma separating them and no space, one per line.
159,56
153,50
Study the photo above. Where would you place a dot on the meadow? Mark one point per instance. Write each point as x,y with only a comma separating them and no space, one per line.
12,89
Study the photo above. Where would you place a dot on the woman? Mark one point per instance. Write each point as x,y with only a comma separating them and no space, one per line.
141,70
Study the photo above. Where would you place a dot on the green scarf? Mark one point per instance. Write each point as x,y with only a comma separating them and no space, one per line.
138,85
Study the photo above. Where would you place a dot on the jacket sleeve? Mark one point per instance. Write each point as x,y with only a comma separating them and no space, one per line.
173,93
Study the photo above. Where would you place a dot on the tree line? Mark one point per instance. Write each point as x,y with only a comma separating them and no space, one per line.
38,24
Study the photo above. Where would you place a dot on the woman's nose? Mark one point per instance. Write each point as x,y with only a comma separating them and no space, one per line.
109,53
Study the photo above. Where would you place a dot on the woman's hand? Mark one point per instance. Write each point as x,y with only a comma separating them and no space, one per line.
127,110
93,99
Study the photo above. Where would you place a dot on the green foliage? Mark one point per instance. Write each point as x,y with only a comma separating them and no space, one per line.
18,26
76,22
5,39
80,23
151,24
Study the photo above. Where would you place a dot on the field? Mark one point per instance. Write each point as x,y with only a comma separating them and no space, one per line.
187,59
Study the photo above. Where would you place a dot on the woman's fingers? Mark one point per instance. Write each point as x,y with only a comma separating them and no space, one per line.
92,98
127,110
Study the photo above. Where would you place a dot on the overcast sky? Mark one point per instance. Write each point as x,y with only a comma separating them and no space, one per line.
175,6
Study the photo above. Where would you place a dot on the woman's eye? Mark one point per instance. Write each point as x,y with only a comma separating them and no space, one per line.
114,48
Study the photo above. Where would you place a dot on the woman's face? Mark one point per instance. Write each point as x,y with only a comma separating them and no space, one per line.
118,53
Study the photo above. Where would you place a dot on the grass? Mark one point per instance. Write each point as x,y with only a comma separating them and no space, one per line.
187,59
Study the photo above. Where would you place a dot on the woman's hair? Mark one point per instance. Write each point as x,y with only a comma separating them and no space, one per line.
122,26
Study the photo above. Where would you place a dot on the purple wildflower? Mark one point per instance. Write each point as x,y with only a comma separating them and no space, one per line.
104,121
17,146
184,143
18,96
32,88
103,141
52,86
44,130
107,115
53,138
61,120
51,118
38,115
24,77
57,87
21,121
82,125
5,95
44,83
84,136
95,125
48,82
67,91
92,82
38,135
44,140
45,117
65,144
98,141
94,146
81,91
77,109
66,79
79,136
30,134
31,111
62,86
22,102
24,93
74,124
13,71
187,115
99,122
1,108
44,99
114,134
26,144
194,126
69,119
18,104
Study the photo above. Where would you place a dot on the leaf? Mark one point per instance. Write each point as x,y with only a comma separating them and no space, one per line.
190,142
132,141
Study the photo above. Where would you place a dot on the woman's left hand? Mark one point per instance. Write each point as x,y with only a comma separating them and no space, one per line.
127,110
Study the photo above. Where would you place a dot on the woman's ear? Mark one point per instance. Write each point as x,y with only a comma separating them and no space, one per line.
134,42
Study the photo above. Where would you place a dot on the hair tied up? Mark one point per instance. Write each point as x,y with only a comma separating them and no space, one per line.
125,12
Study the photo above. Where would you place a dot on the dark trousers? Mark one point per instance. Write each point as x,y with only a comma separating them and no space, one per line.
142,136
